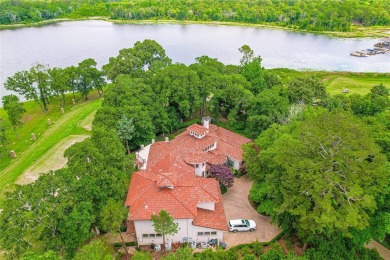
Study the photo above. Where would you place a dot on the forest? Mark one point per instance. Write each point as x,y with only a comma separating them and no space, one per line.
323,15
319,162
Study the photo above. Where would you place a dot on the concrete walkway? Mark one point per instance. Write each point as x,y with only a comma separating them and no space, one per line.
383,251
237,206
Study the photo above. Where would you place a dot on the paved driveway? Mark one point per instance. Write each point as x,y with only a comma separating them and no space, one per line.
237,206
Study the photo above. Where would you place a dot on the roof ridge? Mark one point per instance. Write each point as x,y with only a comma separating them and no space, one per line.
184,204
150,185
142,206
208,191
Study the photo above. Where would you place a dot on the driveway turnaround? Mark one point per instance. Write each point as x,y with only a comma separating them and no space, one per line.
237,206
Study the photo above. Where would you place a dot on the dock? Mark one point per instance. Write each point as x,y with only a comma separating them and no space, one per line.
382,47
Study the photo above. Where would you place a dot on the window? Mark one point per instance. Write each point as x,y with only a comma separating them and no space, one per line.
202,164
151,235
196,165
207,233
230,162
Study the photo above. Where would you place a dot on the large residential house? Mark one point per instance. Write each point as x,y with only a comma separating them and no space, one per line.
172,176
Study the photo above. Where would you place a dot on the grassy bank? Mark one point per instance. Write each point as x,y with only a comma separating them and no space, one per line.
357,31
29,151
336,82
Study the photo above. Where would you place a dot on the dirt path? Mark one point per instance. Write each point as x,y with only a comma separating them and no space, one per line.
383,251
52,160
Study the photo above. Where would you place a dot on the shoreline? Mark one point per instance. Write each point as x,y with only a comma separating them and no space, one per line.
358,31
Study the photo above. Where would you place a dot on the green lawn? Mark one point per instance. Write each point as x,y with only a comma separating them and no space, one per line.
29,151
335,82
355,83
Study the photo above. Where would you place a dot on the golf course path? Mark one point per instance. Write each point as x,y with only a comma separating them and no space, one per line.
66,126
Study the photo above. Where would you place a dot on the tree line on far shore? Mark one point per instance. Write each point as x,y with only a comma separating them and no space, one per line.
331,15
319,162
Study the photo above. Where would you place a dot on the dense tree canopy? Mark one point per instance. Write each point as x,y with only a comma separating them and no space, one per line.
329,15
318,176
319,170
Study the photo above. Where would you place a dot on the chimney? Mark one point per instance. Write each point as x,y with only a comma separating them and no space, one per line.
206,121
153,141
167,139
142,146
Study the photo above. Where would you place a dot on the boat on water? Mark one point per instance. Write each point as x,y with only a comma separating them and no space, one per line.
382,47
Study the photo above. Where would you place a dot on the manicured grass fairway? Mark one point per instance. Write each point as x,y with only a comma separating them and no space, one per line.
335,82
356,84
29,151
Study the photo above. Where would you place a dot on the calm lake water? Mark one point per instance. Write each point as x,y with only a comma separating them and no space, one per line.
68,43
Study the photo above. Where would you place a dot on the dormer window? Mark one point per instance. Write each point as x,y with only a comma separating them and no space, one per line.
196,165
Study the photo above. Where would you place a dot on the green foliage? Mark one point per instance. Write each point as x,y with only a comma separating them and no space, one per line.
125,131
318,173
113,214
164,224
59,210
96,249
306,90
337,247
309,15
4,127
138,255
15,111
144,56
49,255
183,253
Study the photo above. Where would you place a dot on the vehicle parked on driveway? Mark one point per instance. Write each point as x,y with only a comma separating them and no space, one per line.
236,225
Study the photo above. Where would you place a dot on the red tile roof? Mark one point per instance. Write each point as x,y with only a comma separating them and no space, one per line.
195,157
198,129
169,181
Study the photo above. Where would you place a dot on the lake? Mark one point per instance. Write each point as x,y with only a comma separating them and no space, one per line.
67,43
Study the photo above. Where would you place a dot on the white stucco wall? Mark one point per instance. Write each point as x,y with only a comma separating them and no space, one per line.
186,229
201,168
236,164
206,205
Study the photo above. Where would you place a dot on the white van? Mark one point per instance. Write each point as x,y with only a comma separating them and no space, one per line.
236,225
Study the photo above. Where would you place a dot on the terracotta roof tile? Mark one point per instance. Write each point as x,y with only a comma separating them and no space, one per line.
195,157
198,129
169,164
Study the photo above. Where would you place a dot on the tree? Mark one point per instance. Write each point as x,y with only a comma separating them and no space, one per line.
164,224
269,106
4,134
57,82
71,78
247,54
306,90
31,84
113,214
97,249
15,111
322,173
144,56
89,77
126,131
223,174
39,76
